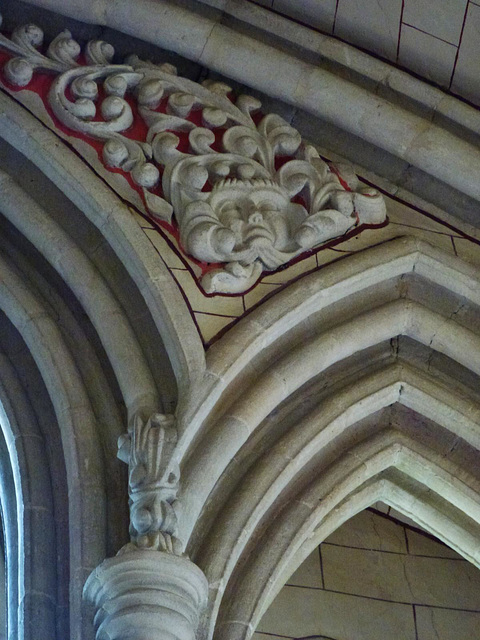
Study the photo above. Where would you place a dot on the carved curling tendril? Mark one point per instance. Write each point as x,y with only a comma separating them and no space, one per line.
245,190
153,482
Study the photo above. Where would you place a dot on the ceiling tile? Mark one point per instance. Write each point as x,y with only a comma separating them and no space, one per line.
441,19
446,623
371,24
428,56
466,79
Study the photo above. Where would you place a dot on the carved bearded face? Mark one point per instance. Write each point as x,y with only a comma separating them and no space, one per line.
257,212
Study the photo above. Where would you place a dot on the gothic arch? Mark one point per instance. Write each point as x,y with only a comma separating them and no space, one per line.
27,509
355,383
343,371
72,177
90,322
323,329
251,555
229,361
386,473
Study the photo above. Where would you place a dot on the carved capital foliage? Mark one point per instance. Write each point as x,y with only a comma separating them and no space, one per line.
152,482
246,192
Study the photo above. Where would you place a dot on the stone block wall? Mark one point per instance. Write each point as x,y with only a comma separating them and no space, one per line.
378,578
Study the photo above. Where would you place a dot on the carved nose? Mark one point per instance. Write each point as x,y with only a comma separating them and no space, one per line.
255,218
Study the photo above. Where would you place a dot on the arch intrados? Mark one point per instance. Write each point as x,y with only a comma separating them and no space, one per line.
117,337
45,343
93,368
81,447
284,548
230,356
269,480
381,489
33,495
282,463
111,216
401,317
335,281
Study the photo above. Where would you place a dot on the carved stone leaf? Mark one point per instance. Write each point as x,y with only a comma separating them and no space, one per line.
159,207
99,52
153,481
244,190
64,49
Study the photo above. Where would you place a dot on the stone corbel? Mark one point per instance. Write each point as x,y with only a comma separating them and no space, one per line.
150,590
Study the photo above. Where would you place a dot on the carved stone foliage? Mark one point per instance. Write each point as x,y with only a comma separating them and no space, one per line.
153,482
246,192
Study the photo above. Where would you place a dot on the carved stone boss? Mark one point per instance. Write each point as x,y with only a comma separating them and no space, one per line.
244,189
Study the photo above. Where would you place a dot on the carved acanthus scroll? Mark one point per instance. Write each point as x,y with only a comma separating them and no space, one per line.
244,189
153,482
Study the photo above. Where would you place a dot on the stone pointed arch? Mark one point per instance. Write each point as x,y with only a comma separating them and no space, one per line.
319,323
118,230
96,333
82,452
387,467
327,355
281,465
26,507
230,360
356,383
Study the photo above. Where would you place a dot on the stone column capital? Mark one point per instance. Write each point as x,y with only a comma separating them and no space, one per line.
142,594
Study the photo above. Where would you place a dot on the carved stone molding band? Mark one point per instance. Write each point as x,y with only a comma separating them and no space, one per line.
246,192
152,482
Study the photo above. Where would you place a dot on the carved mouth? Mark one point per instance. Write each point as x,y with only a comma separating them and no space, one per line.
246,185
258,236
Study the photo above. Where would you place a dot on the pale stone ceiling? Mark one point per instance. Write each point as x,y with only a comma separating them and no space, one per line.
437,40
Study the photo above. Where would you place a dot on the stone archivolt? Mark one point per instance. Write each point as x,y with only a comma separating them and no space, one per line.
358,383
245,189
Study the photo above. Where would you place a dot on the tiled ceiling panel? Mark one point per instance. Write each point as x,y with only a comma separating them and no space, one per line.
466,79
426,55
370,24
436,39
441,18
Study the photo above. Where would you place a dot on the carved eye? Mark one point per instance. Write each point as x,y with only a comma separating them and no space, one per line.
267,207
231,211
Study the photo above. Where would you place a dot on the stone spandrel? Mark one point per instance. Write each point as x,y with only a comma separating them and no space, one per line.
185,154
240,191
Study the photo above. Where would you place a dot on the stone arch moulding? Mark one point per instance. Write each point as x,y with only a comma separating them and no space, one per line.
26,310
81,293
27,510
241,616
387,328
354,384
114,222
387,311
